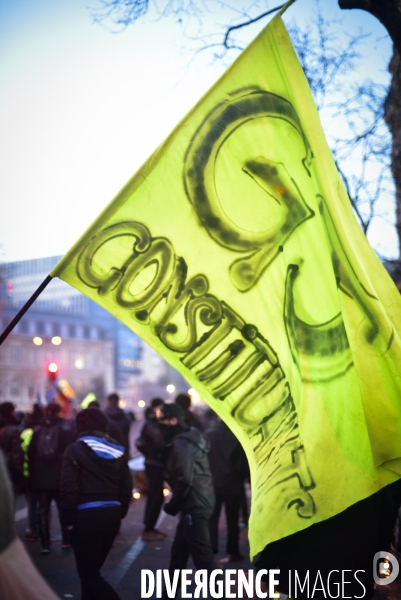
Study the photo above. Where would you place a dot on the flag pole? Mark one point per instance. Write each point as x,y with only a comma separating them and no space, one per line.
284,8
23,310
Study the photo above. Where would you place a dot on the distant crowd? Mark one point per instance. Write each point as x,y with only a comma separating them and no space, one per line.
81,464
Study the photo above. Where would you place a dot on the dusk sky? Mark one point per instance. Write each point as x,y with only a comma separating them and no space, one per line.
81,108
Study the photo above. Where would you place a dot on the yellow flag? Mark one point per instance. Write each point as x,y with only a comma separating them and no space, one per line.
235,253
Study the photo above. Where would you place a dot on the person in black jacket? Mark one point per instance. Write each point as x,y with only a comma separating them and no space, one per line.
45,469
190,479
117,416
190,418
151,444
96,489
229,468
10,444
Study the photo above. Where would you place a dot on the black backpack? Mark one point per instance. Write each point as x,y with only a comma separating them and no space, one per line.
48,442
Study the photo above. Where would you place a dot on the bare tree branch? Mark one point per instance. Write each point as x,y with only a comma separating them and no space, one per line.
249,22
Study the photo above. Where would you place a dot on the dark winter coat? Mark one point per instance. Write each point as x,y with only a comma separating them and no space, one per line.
45,474
151,443
94,471
227,459
120,420
188,474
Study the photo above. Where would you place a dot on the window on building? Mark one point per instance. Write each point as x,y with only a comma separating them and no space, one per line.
79,331
24,326
31,357
64,331
72,331
87,332
15,387
15,354
56,329
31,327
40,328
49,329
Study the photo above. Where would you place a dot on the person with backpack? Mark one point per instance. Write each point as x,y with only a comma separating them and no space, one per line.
151,444
188,474
45,453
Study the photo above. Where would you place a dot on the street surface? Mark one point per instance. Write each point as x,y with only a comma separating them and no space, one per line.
126,559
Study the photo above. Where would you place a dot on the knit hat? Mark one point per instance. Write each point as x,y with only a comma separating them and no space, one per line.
91,419
172,410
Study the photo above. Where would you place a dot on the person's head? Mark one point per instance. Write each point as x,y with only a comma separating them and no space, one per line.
113,399
91,419
171,414
52,409
7,410
184,401
155,406
37,411
94,404
35,417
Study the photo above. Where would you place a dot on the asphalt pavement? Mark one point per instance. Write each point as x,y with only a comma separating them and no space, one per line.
126,559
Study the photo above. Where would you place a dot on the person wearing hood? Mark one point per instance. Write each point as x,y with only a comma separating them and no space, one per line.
189,477
45,451
96,489
118,418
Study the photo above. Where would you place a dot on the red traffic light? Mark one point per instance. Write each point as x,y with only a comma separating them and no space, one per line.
52,368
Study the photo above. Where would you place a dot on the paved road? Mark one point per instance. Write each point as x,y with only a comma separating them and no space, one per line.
128,556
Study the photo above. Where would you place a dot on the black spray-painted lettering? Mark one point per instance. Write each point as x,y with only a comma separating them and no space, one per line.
230,357
272,177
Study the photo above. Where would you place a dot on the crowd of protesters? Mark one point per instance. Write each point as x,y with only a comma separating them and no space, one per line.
81,463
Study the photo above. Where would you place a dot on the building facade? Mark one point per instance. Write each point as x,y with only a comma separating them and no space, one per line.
93,351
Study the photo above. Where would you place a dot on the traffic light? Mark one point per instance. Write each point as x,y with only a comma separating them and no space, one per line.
52,369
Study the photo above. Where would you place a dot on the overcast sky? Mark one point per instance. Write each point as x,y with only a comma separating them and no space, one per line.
82,108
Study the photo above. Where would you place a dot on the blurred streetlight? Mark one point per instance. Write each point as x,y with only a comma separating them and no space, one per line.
141,403
170,388
37,340
56,340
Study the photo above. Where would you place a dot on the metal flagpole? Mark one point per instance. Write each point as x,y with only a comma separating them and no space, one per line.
23,310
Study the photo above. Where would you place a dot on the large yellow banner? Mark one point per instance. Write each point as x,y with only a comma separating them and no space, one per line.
235,253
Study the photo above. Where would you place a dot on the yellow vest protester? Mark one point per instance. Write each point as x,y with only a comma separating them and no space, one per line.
234,252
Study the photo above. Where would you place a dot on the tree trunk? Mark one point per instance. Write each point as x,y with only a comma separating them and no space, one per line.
389,14
392,115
